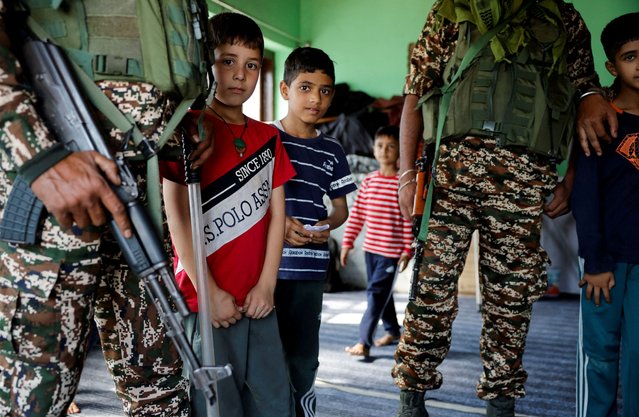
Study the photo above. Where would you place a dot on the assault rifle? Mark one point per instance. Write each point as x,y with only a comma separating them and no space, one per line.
63,108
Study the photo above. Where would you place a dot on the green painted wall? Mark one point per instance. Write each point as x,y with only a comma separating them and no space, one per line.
278,19
368,39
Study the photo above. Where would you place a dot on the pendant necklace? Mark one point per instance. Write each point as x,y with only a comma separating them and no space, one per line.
238,142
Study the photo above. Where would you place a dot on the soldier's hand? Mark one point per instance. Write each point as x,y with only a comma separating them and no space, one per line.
76,190
560,203
596,120
204,148
406,196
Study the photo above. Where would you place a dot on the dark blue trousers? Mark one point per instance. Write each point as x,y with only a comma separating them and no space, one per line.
379,292
299,314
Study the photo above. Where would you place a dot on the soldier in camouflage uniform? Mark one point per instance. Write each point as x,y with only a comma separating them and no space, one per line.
501,192
50,291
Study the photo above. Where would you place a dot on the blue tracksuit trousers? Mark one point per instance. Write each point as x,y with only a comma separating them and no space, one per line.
609,337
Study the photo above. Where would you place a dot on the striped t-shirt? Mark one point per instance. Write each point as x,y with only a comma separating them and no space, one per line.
376,206
322,170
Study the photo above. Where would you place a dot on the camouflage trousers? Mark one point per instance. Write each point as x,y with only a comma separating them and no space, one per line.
501,193
48,296
50,292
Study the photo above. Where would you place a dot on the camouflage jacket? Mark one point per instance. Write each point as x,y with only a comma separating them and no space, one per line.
22,132
433,49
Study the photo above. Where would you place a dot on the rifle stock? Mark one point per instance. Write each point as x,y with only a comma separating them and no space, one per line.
63,107
423,179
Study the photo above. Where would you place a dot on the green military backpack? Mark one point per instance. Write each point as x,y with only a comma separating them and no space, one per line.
160,42
131,40
526,101
523,101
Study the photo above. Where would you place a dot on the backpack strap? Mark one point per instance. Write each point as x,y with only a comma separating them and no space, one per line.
146,148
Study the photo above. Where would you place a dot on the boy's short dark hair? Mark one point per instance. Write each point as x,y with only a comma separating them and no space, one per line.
619,31
307,59
235,29
390,131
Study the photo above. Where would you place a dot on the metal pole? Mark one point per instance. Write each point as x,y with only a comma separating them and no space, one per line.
203,300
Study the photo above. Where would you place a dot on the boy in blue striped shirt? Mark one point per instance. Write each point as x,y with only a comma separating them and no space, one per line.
322,170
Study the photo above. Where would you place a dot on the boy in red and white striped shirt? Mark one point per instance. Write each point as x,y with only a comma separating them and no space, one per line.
387,242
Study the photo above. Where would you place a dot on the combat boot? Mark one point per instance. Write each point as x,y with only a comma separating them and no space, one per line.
501,407
411,404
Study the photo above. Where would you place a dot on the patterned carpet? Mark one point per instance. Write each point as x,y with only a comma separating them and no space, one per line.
351,387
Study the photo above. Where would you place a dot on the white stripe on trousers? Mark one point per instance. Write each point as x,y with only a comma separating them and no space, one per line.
308,400
582,362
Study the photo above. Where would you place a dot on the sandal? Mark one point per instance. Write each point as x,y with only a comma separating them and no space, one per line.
358,349
386,340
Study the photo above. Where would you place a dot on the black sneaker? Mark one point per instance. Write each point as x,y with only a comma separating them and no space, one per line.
411,404
501,407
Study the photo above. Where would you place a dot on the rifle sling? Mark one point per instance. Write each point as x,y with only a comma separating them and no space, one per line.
42,161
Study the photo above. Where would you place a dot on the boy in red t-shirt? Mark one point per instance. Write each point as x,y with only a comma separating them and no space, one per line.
243,227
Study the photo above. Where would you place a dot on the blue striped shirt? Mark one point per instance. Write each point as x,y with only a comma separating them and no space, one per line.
322,170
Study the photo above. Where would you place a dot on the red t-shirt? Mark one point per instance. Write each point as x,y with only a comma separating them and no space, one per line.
236,192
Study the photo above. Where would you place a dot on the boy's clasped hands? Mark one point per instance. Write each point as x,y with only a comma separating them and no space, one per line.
298,234
225,312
